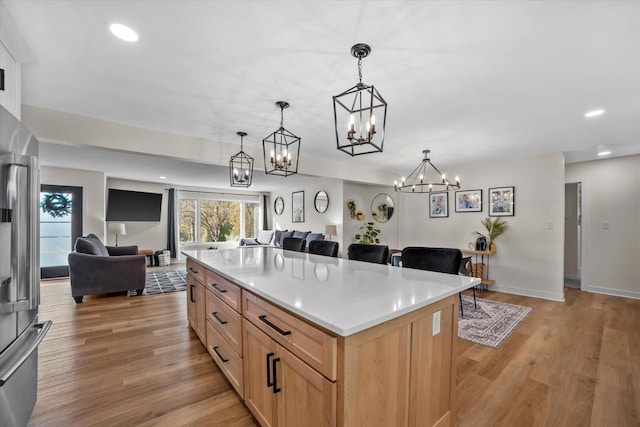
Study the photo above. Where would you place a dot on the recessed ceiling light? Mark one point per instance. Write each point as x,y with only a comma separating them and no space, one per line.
594,113
123,32
163,177
604,151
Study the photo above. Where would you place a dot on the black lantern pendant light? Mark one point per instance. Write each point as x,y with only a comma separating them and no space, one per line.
241,167
360,114
281,149
423,180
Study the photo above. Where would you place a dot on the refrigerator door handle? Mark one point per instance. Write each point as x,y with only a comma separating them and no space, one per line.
32,343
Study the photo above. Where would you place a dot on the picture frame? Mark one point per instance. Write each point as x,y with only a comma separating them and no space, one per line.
502,201
297,206
469,201
439,205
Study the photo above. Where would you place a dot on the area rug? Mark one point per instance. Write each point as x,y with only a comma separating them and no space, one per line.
491,323
162,282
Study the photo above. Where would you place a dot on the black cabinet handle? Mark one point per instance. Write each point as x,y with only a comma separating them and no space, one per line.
193,271
269,382
191,288
275,376
280,331
215,286
219,355
215,314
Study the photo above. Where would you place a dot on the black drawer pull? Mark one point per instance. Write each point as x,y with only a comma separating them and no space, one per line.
275,377
269,382
193,271
280,331
215,286
215,314
219,355
191,288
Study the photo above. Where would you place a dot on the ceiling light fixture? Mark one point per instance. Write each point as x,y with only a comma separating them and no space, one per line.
123,32
283,149
241,166
163,177
358,132
604,150
594,113
418,180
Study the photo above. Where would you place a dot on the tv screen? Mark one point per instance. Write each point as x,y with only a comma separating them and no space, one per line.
124,205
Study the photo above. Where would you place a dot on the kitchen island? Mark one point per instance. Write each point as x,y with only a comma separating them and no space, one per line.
313,340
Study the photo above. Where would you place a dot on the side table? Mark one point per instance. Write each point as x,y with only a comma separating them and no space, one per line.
483,273
147,253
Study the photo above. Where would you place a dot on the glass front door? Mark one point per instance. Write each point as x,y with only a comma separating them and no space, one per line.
60,225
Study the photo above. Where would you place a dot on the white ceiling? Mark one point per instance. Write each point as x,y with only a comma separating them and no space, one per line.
471,81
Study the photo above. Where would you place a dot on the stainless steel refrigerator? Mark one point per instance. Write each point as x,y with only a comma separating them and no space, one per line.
20,330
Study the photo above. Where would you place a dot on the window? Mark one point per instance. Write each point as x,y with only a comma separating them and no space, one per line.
211,219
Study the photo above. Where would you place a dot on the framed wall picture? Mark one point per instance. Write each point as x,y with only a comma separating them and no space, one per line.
297,206
502,201
438,205
469,201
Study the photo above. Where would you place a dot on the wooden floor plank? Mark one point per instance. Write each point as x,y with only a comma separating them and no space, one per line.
134,362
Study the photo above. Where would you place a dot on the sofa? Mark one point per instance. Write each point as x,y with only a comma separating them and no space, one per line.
274,238
98,269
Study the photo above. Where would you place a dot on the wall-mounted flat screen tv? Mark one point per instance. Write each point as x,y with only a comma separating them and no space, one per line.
125,205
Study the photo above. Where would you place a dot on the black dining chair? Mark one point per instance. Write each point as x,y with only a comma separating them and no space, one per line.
323,247
378,254
441,260
294,244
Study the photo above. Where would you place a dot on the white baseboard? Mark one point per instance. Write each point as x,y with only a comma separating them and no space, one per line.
613,292
553,296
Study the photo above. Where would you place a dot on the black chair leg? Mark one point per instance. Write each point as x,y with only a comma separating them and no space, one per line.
461,310
474,298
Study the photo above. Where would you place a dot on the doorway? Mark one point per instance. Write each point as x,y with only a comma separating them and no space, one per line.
573,235
60,225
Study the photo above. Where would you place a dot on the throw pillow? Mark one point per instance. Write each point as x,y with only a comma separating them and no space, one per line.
314,236
101,248
264,237
300,234
277,237
86,246
283,236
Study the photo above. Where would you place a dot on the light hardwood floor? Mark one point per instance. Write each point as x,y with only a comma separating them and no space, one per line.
118,361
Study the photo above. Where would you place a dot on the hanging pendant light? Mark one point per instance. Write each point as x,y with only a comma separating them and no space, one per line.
281,149
358,112
241,166
423,180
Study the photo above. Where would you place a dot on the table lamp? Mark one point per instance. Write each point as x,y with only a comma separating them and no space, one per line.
330,230
117,228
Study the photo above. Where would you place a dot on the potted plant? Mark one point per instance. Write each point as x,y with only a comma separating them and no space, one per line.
368,235
495,227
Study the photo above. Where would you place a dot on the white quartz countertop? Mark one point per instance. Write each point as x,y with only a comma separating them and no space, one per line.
340,295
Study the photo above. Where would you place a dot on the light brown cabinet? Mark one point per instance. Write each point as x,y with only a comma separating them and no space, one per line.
196,307
292,372
280,389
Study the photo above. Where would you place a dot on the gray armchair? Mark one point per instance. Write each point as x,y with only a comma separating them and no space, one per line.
98,269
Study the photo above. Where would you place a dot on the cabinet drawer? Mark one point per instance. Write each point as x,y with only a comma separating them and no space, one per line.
224,289
196,270
225,320
229,361
314,346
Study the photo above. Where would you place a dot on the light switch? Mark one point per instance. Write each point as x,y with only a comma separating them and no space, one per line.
550,226
605,225
435,330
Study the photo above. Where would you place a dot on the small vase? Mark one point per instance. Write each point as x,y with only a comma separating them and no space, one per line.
492,247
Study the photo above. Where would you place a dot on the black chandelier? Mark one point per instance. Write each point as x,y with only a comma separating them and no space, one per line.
354,112
281,149
241,167
419,182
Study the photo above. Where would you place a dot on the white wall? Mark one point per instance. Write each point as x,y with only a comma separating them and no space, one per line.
93,195
611,224
530,255
363,196
313,220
